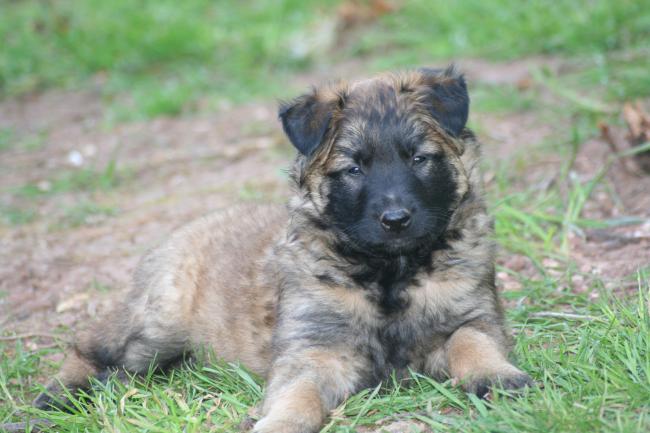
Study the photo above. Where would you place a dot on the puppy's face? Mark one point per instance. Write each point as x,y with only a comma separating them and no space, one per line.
383,169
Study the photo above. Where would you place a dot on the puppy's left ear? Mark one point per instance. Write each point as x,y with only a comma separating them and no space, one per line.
447,98
306,120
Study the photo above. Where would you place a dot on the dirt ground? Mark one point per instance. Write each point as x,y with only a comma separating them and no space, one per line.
54,276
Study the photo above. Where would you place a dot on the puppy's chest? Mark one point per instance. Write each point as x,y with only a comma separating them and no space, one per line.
414,301
411,317
413,326
398,342
416,318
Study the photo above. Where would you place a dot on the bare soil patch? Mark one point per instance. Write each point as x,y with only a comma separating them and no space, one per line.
615,252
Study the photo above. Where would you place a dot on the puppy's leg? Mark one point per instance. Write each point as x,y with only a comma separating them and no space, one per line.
304,387
479,360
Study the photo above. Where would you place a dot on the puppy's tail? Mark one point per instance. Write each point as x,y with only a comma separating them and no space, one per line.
124,340
75,374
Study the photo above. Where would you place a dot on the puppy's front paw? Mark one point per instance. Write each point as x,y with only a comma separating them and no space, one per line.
52,398
512,381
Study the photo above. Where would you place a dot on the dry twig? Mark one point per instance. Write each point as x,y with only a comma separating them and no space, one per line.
558,315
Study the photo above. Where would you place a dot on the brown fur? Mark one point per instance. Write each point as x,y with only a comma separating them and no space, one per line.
267,286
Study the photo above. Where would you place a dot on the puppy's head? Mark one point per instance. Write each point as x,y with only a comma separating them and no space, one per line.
379,160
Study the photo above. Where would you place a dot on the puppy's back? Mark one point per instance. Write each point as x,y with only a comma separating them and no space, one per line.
212,279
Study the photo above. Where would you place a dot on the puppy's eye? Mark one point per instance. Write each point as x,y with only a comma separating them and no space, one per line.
419,159
354,171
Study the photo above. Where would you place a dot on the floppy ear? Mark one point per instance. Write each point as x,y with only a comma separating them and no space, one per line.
447,98
305,120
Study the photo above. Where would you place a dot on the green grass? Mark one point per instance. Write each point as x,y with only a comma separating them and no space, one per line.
85,213
9,141
77,182
613,76
14,215
503,29
502,99
83,179
6,138
157,58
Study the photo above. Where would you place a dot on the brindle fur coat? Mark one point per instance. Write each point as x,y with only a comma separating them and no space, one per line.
383,261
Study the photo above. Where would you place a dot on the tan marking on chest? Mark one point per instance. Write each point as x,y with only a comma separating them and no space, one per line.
355,303
437,294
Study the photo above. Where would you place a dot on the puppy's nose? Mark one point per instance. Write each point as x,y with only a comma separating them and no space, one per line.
395,220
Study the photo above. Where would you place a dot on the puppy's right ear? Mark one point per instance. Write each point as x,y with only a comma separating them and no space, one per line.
306,120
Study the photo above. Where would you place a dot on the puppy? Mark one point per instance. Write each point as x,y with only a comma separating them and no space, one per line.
383,261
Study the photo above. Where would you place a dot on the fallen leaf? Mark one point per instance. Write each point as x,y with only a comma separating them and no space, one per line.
75,302
353,13
638,124
128,394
